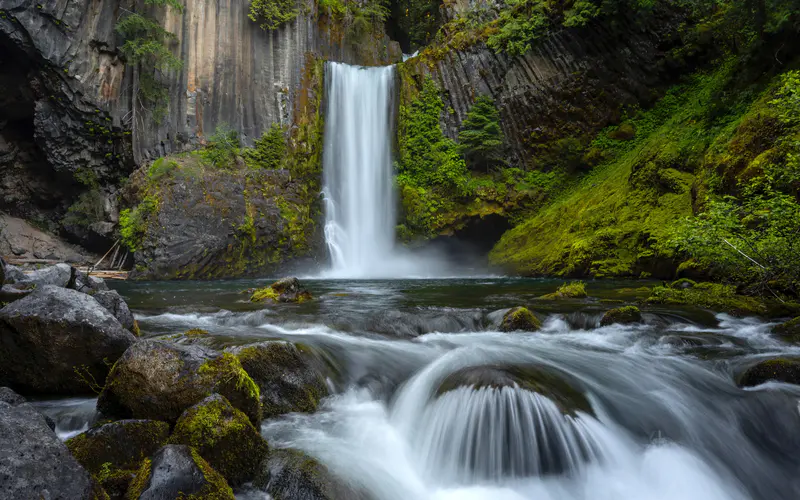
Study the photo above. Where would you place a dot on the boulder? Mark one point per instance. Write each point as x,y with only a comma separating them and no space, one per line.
780,370
14,399
113,452
159,380
117,306
57,275
34,463
622,316
58,341
519,319
2,271
177,471
571,290
288,377
542,380
789,331
13,291
291,474
85,283
14,274
223,436
283,290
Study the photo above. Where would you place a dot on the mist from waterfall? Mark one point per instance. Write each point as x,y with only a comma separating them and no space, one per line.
358,177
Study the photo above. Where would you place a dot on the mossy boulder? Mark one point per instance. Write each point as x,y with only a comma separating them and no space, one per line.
58,341
191,336
113,452
178,471
571,290
780,369
224,436
290,378
714,296
283,290
158,380
117,306
789,331
622,316
542,380
291,474
519,319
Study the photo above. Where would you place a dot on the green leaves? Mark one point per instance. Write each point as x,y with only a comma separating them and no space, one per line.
222,147
481,139
272,14
268,151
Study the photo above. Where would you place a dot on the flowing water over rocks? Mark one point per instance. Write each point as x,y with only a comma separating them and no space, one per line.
641,411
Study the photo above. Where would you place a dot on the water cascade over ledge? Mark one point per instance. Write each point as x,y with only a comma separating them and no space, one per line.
358,177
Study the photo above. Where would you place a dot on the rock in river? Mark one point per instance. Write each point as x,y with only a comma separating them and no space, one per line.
58,341
159,380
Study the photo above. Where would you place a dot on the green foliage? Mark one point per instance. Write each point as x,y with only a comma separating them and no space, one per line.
222,147
418,20
271,14
481,139
269,151
160,168
147,44
133,222
715,296
571,290
87,210
520,23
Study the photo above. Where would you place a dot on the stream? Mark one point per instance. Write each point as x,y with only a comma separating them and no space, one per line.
667,420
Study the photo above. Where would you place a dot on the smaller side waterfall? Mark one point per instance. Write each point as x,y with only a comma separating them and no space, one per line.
357,166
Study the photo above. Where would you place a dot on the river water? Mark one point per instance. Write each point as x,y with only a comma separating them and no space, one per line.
667,421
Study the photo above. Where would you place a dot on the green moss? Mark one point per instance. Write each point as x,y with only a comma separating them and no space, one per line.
266,293
780,369
621,315
714,296
571,290
520,319
195,332
140,481
134,223
216,487
790,330
227,366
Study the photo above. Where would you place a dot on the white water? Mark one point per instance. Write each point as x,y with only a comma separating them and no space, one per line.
360,201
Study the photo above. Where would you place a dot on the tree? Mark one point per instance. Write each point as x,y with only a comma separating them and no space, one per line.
481,139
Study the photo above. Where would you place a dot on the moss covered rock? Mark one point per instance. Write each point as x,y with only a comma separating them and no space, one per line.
288,375
571,290
223,436
622,316
291,474
780,369
714,296
789,331
177,471
283,290
159,380
539,379
520,319
113,452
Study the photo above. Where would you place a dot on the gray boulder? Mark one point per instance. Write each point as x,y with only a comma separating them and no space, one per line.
13,291
58,275
14,399
117,306
88,284
34,463
177,471
58,341
14,274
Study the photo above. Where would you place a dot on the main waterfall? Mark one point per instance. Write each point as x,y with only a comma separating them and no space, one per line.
357,163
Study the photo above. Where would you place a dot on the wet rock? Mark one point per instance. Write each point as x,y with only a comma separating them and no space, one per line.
283,290
622,316
292,475
789,331
780,370
190,337
58,341
158,380
519,319
223,436
117,306
571,290
14,399
122,444
288,377
15,291
34,463
177,471
544,381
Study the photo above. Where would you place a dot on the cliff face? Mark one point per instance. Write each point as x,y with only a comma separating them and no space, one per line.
72,128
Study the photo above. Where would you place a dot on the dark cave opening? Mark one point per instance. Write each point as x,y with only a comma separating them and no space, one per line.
470,246
413,23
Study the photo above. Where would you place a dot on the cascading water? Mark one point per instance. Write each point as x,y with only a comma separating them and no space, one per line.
357,166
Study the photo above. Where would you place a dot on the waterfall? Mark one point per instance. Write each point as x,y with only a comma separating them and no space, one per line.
357,166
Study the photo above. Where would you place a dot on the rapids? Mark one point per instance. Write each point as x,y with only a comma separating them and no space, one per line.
667,421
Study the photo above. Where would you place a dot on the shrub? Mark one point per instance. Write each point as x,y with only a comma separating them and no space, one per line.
269,151
271,14
481,139
133,222
222,147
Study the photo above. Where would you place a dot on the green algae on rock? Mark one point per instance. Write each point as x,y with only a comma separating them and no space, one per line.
224,436
622,315
288,375
520,319
283,290
571,290
714,296
159,380
789,331
780,370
